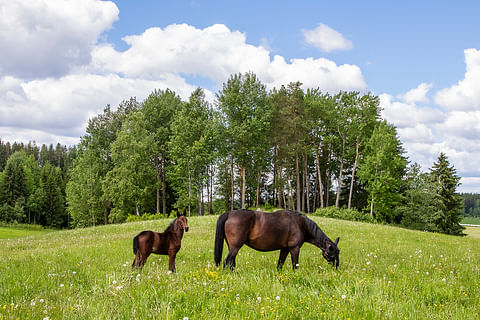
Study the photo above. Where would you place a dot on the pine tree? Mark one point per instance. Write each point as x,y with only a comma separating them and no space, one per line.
448,219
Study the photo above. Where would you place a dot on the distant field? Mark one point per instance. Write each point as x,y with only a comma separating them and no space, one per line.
12,232
385,273
471,221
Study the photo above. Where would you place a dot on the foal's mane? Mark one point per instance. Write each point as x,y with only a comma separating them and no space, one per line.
170,226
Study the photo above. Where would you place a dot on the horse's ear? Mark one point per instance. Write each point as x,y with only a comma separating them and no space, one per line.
178,214
336,241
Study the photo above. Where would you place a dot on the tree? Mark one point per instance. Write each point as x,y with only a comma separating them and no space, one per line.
14,180
445,176
54,214
192,151
158,110
382,170
244,102
131,182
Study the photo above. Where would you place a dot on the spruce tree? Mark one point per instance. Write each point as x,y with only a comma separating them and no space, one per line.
449,217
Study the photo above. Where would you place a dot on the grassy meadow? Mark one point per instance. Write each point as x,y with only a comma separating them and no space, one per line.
385,273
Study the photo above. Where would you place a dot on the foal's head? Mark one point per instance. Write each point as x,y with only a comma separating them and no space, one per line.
332,252
182,221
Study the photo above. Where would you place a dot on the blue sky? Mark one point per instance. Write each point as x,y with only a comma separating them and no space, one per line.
64,61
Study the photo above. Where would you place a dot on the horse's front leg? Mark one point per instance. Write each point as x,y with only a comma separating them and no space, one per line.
294,253
282,257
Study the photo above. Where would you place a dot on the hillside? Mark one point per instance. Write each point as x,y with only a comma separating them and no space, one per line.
385,273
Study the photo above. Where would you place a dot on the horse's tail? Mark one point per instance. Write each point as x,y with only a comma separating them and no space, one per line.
219,237
135,245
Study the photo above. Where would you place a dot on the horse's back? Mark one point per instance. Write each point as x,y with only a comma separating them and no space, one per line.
263,231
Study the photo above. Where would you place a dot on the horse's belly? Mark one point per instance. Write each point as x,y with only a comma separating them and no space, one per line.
266,244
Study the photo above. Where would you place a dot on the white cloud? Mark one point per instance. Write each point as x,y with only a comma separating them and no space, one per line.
418,94
50,37
63,106
465,95
408,115
325,38
217,52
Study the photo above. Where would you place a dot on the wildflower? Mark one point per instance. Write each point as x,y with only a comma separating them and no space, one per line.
74,272
114,281
119,288
32,303
277,298
368,262
46,318
41,300
344,296
185,318
427,273
61,285
259,299
394,265
444,279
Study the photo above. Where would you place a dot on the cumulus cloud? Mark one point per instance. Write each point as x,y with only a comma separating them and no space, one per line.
216,52
51,37
327,39
465,95
63,106
418,94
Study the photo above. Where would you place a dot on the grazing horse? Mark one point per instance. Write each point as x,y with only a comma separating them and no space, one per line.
282,230
166,243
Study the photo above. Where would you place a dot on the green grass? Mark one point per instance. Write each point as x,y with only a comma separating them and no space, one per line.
385,273
20,231
471,220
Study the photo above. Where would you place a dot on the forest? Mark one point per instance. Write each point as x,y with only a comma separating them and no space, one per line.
251,147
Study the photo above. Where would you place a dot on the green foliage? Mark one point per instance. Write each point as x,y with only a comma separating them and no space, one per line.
344,214
449,217
381,170
148,216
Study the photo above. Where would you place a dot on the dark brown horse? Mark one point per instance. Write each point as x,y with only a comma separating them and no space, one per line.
282,230
166,243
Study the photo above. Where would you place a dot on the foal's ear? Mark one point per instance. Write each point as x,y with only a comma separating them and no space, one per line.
178,214
336,241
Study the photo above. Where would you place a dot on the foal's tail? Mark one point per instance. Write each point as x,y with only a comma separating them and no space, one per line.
219,237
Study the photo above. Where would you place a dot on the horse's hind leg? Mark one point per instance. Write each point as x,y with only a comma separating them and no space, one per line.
230,260
282,257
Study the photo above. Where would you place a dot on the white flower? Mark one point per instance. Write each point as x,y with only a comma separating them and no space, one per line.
394,265
259,299
344,296
114,281
444,279
32,303
119,287
277,298
61,285
124,264
46,318
41,300
169,272
368,262
185,318
427,273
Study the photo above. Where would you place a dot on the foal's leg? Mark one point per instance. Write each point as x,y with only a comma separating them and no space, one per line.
282,257
294,252
171,261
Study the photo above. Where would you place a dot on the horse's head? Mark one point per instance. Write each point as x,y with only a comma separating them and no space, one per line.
182,221
332,252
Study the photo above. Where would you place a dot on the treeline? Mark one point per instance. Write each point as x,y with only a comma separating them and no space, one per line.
32,183
288,147
471,205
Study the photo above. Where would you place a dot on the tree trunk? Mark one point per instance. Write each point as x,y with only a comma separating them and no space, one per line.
244,182
307,183
298,191
340,175
164,189
158,186
257,200
319,175
233,184
280,189
353,175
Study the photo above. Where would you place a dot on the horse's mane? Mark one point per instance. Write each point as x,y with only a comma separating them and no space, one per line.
315,230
